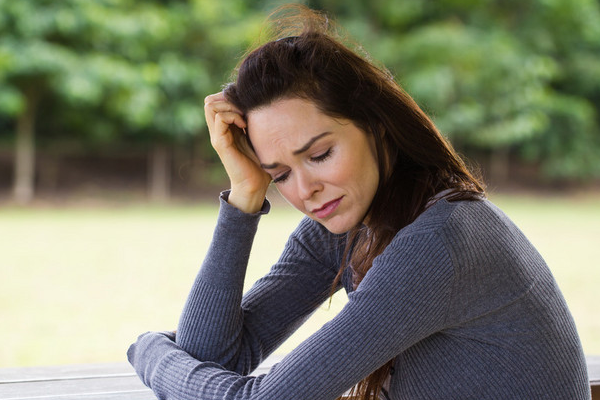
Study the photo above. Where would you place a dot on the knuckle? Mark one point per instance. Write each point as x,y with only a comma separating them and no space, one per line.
219,118
209,108
210,98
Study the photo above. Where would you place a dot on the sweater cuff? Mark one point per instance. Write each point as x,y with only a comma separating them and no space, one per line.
225,206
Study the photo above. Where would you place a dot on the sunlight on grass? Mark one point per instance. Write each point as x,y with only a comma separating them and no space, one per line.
84,283
80,284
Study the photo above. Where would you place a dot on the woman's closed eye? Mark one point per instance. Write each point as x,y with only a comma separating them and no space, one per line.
323,156
281,178
317,158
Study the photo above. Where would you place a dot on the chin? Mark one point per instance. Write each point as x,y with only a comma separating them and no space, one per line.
336,228
336,231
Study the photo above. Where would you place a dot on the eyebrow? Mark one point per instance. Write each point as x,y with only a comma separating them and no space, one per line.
300,150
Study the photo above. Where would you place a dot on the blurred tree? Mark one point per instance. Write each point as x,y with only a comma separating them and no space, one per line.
520,76
505,76
119,68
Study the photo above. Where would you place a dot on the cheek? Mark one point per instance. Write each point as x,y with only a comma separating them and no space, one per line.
361,177
340,177
290,196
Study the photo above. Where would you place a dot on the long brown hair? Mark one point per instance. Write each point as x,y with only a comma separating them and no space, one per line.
306,58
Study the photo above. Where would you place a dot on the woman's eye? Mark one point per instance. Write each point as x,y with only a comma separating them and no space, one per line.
281,178
322,157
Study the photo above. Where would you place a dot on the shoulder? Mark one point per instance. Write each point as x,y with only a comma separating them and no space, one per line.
447,227
486,249
447,218
421,245
476,225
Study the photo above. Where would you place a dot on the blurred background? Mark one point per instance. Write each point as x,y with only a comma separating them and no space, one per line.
108,183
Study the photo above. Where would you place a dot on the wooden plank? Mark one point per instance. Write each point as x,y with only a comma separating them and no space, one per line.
593,364
117,381
87,381
146,395
105,385
73,371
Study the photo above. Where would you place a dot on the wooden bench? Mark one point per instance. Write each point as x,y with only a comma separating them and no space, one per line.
116,381
119,382
593,363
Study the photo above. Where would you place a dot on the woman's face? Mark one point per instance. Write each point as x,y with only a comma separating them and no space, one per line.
325,167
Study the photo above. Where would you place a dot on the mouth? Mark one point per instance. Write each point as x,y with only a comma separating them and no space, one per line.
327,209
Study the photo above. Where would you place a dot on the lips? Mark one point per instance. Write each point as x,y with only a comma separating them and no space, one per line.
327,209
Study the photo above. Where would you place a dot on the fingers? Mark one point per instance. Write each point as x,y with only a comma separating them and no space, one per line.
220,96
217,103
222,133
222,117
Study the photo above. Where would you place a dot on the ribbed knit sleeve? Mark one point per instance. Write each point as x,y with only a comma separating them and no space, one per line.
210,325
219,324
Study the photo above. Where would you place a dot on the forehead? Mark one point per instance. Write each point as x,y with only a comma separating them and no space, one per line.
288,122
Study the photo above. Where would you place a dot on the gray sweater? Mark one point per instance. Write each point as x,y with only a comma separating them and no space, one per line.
460,298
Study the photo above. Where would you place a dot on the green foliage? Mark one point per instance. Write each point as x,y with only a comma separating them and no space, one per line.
142,68
520,75
487,90
517,75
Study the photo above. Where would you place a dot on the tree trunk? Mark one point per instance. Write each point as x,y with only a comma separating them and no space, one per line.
24,164
499,165
159,179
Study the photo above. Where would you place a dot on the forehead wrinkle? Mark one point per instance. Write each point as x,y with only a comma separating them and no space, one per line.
280,134
274,145
299,151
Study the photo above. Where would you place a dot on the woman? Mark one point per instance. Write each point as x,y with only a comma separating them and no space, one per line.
446,297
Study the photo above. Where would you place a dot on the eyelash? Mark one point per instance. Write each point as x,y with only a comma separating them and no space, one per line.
318,159
322,157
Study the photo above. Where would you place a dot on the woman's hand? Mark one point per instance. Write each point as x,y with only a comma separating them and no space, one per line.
226,125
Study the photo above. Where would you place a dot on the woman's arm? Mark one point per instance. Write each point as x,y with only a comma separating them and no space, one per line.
401,300
220,325
215,325
226,126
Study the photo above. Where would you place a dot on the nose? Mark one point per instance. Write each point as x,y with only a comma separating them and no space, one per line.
307,185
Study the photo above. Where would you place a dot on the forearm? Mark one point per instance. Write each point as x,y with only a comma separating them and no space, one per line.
329,362
220,325
211,322
172,373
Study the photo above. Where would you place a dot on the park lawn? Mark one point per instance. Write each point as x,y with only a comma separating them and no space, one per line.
79,284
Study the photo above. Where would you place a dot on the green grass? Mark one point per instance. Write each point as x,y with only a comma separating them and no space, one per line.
79,284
